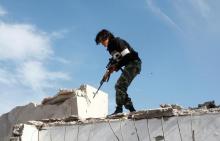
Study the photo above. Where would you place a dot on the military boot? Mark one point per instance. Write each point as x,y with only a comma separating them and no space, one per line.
118,109
128,104
130,107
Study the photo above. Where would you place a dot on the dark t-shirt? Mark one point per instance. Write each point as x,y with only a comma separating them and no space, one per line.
121,52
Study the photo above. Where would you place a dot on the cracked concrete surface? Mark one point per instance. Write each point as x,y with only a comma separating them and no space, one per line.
163,124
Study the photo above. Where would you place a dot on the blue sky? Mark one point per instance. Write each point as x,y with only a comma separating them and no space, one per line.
47,45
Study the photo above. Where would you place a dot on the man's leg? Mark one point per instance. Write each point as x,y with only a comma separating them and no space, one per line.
128,104
121,88
128,74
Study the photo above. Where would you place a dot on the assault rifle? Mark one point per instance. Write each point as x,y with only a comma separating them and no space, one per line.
107,74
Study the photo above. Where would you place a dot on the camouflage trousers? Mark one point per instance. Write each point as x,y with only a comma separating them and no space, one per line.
128,74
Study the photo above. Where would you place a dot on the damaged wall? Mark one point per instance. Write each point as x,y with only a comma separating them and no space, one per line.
67,102
168,125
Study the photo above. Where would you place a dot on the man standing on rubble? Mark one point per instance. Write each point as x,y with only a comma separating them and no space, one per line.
124,56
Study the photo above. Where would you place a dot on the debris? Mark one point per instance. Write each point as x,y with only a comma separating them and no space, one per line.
17,130
208,105
174,106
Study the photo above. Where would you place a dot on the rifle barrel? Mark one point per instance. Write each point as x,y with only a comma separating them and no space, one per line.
98,88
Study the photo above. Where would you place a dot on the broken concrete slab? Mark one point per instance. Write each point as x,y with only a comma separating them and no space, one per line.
201,125
66,102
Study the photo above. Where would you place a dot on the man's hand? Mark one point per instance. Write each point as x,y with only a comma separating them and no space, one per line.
108,72
106,76
112,68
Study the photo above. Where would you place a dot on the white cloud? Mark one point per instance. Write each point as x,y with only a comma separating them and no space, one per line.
202,7
24,50
34,74
3,12
62,60
156,10
60,33
6,77
23,42
195,17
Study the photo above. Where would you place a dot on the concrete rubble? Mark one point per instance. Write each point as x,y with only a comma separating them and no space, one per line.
165,119
65,103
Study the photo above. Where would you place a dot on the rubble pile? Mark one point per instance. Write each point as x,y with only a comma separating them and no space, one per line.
167,113
65,103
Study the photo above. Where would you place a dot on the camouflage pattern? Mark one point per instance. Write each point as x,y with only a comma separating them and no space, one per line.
129,73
